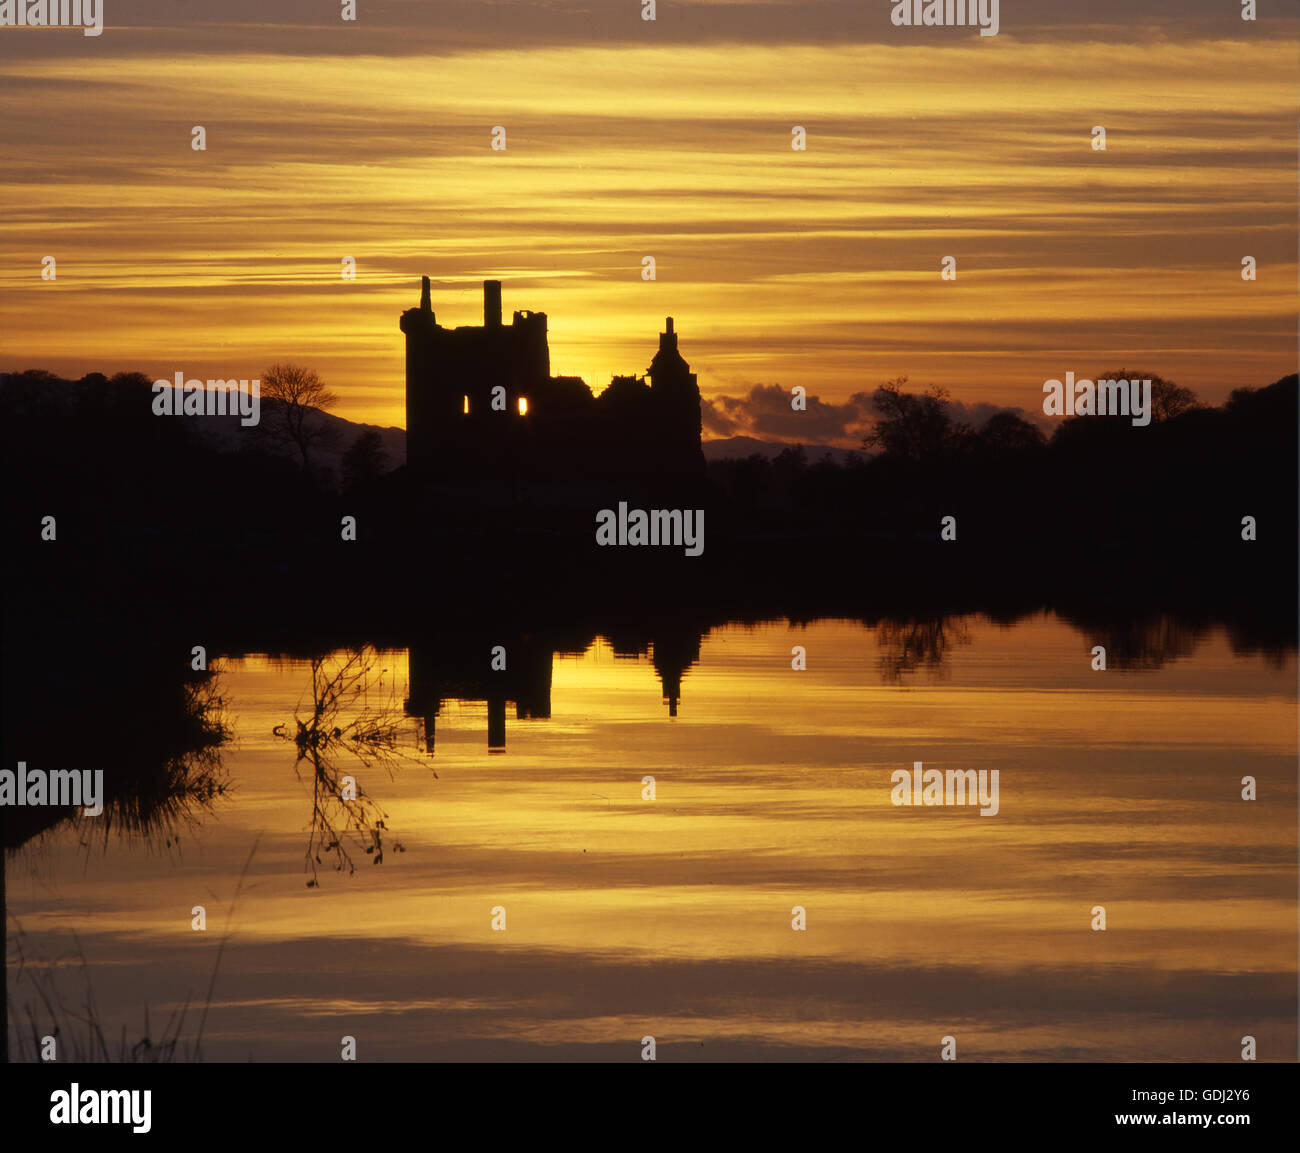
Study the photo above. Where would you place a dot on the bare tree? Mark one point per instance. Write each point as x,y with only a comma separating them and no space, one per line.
293,391
346,720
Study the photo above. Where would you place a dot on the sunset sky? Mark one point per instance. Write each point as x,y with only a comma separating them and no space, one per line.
627,138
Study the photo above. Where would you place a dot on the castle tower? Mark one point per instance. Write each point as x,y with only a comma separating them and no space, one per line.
676,396
426,410
463,385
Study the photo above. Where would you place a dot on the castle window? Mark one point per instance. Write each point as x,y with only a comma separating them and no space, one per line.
465,410
523,406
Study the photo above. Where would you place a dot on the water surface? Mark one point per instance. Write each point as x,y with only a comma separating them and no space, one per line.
628,917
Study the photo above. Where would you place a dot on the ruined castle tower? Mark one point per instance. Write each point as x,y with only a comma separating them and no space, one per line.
464,385
481,399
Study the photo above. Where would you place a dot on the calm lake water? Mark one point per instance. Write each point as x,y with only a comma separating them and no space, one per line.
671,917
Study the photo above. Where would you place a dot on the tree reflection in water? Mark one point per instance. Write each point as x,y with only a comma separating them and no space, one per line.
355,715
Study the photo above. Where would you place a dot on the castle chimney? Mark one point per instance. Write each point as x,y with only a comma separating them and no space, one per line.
426,305
668,338
669,323
492,304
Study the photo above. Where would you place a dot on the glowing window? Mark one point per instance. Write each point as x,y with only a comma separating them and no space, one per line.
466,408
523,406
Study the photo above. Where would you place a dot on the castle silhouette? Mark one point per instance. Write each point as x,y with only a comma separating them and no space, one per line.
481,401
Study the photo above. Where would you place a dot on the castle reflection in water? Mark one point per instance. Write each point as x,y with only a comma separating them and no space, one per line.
466,665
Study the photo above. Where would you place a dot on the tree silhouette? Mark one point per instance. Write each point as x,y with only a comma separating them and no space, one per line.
293,391
365,459
1005,433
913,426
1168,399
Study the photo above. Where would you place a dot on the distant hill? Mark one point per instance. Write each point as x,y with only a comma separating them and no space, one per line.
226,433
737,447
